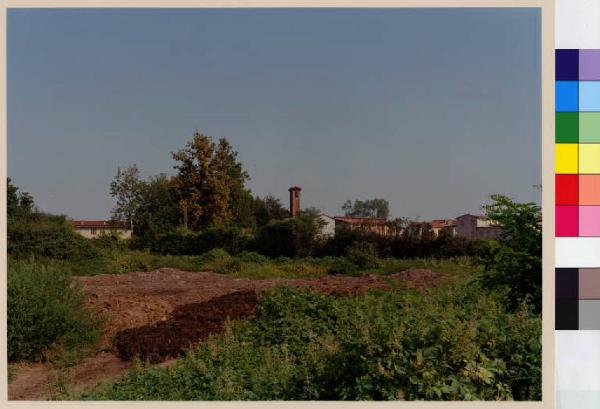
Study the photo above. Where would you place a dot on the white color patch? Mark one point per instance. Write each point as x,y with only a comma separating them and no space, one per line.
577,251
577,24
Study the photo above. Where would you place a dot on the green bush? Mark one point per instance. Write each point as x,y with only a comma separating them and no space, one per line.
48,236
342,265
451,344
514,261
44,310
253,257
363,255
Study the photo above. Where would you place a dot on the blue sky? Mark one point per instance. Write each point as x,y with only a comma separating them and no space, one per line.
432,109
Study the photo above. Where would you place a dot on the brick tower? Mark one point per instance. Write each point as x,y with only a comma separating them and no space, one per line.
294,200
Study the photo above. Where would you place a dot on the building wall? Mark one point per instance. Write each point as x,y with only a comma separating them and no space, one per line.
92,233
466,226
474,228
328,226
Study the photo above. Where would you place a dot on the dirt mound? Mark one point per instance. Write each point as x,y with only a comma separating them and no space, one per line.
185,326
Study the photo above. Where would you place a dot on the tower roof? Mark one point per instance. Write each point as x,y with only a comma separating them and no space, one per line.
294,188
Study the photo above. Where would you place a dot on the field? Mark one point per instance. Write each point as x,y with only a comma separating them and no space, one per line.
167,329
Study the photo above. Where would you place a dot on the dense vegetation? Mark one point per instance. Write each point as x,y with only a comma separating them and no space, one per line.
454,343
44,311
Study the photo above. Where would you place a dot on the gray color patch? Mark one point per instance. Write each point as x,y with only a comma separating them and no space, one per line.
589,314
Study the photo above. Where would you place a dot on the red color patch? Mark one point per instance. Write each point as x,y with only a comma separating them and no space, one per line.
567,190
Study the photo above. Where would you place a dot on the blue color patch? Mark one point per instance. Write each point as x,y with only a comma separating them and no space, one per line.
567,98
589,96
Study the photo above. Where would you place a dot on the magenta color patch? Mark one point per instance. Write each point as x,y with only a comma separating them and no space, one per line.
589,221
566,221
589,65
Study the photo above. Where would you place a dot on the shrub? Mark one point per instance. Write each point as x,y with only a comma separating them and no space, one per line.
252,257
44,310
363,255
48,236
342,265
214,254
295,237
514,262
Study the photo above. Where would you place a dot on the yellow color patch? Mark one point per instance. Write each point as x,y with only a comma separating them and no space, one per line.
566,158
589,158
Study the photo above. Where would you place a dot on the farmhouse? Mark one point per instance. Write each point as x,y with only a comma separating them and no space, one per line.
443,225
95,228
475,227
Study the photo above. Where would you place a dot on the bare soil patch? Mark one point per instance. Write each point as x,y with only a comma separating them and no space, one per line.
155,314
187,325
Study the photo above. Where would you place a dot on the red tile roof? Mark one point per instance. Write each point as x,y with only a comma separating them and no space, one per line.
440,223
94,224
359,220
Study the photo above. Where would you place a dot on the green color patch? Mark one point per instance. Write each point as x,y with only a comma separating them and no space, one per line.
589,127
567,127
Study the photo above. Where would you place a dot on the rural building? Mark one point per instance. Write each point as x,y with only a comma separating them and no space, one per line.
327,226
95,228
443,225
368,224
475,227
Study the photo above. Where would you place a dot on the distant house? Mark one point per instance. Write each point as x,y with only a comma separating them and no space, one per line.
367,224
327,226
475,227
330,225
443,225
95,228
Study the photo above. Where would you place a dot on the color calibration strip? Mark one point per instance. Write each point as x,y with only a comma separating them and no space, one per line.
577,213
577,143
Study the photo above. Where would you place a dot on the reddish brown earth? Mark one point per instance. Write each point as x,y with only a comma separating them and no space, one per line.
145,310
187,325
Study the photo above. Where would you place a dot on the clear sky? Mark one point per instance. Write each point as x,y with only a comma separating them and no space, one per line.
431,109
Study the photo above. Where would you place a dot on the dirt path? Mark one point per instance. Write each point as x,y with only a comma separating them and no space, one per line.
151,300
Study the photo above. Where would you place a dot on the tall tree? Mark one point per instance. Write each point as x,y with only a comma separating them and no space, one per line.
208,181
126,187
158,212
368,208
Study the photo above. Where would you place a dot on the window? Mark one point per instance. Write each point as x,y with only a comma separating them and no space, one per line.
93,231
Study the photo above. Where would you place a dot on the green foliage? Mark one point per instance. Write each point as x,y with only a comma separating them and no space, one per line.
514,262
47,236
383,346
44,310
18,204
269,208
342,265
363,255
293,237
157,213
126,187
367,208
